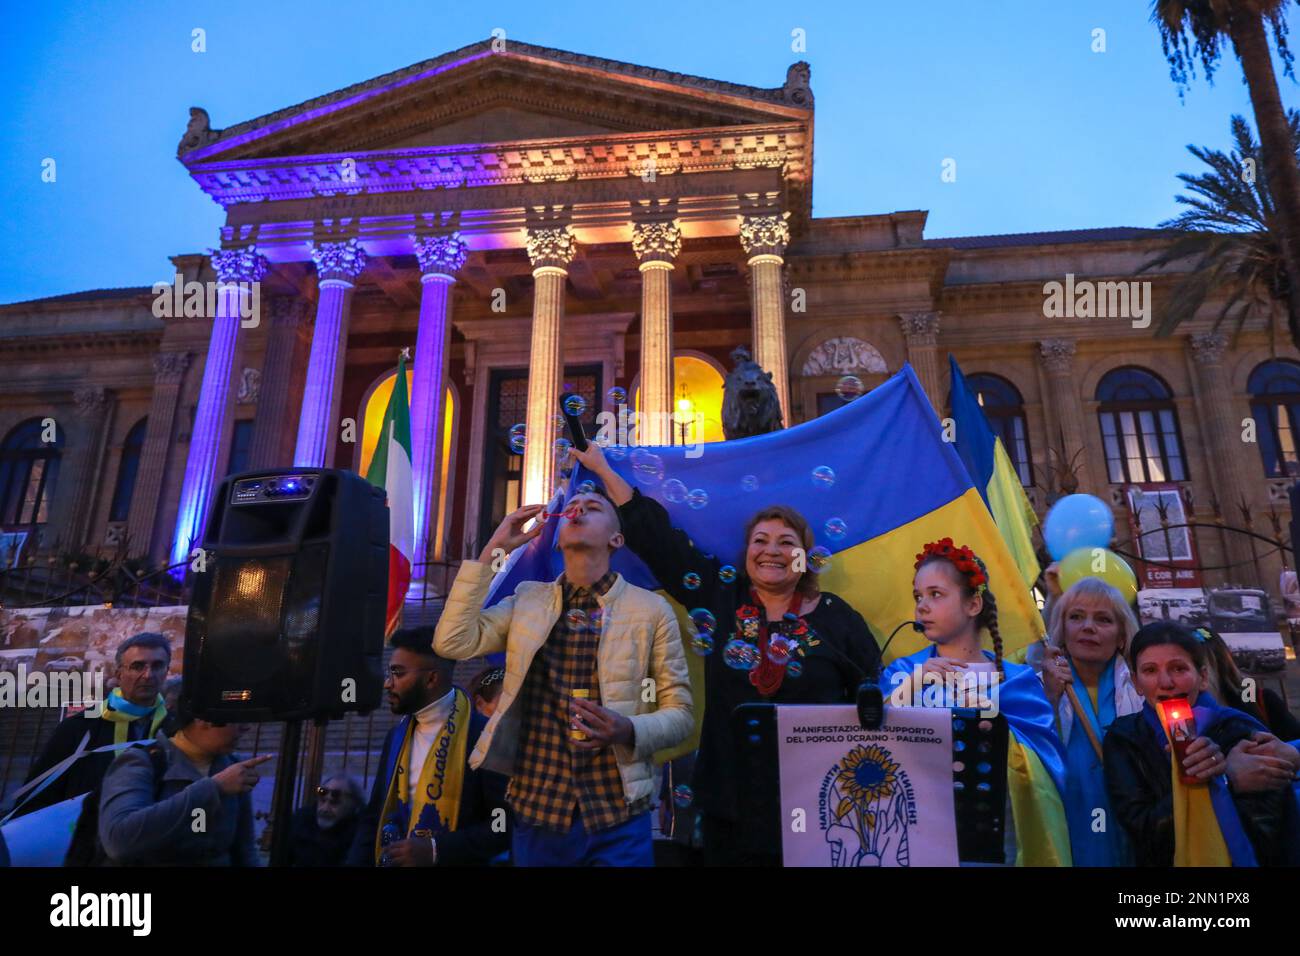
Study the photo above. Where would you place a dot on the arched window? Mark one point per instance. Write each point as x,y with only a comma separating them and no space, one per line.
1275,405
126,472
1139,428
1005,409
29,470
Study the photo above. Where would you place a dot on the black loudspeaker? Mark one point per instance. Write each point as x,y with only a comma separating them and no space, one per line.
287,618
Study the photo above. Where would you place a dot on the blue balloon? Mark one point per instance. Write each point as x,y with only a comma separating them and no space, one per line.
1077,521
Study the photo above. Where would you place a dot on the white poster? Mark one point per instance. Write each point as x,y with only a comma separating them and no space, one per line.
868,797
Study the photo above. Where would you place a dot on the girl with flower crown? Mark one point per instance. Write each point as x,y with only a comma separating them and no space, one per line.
954,605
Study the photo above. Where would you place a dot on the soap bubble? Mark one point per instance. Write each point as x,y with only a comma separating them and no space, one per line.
617,396
562,447
518,439
836,529
560,423
690,580
702,644
576,618
674,491
597,619
740,655
683,795
704,621
793,669
849,387
727,573
749,483
587,487
575,405
647,467
697,498
616,452
823,476
819,559
779,649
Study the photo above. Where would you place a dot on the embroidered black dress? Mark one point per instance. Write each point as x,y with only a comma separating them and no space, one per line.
832,668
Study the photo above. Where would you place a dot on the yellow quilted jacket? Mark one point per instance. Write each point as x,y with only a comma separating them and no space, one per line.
639,640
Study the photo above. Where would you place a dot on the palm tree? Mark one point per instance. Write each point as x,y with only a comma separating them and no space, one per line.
1192,30
1230,235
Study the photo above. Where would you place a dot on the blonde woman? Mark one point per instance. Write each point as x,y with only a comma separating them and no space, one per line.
1089,685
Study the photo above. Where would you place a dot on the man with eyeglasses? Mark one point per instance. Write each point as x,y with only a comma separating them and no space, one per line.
428,806
323,834
135,710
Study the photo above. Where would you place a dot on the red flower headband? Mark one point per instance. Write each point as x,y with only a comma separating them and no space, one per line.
962,558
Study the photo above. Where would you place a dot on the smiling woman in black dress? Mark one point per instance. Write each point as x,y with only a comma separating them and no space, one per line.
764,597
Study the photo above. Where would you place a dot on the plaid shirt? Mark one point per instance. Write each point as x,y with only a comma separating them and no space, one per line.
552,781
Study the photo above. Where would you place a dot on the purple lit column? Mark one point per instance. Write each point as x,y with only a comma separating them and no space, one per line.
440,259
235,269
338,264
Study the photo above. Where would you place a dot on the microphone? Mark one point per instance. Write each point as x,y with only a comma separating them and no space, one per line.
871,699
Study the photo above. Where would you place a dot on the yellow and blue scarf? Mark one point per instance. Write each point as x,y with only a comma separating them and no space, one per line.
122,713
435,807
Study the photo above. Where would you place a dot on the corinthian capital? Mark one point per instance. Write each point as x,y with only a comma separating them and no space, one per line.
238,265
656,241
919,325
1208,347
1058,355
169,367
340,261
440,255
765,235
551,247
91,401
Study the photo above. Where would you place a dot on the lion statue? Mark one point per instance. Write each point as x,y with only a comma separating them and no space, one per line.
749,402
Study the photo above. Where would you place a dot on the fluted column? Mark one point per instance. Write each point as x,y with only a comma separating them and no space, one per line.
233,266
921,332
288,320
1222,431
168,373
1057,357
440,257
764,239
338,264
656,245
82,474
550,251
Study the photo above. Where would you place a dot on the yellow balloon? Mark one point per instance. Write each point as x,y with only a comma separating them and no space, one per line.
1102,564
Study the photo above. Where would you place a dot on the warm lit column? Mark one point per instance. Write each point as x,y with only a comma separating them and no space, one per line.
921,331
168,373
440,259
656,245
550,250
1057,356
235,268
764,239
338,264
288,319
1222,433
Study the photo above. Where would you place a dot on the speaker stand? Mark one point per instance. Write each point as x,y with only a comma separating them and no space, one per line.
282,799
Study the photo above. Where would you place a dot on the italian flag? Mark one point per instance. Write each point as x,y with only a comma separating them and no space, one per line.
390,469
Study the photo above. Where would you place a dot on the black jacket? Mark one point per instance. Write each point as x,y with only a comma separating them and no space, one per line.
1139,781
309,845
86,774
831,674
475,841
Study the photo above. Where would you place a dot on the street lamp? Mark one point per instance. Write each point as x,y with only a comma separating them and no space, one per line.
685,412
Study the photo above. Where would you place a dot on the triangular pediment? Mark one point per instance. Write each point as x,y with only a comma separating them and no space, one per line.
483,95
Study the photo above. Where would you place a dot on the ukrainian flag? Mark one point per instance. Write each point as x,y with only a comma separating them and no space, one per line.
985,457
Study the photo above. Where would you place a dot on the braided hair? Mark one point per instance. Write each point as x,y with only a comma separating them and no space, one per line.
973,576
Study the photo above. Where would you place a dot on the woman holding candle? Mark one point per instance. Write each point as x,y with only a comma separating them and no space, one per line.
1228,799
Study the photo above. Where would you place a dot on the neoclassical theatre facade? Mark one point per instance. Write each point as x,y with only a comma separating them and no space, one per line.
526,220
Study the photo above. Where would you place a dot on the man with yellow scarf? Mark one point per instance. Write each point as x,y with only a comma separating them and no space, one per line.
134,711
428,807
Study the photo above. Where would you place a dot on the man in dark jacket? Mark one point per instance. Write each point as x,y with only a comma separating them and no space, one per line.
322,833
133,711
428,806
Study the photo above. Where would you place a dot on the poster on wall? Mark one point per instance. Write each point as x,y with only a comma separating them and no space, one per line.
866,797
1166,540
1243,617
